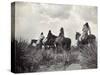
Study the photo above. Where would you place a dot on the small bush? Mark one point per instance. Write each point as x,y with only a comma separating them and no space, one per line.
25,60
89,53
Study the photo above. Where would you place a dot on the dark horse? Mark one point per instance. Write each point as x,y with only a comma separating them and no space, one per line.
64,44
50,42
90,38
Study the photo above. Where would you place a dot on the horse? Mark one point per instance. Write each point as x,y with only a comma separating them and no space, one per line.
38,43
33,41
65,44
90,39
49,43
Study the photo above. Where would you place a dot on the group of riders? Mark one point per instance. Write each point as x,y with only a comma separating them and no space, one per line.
85,32
49,39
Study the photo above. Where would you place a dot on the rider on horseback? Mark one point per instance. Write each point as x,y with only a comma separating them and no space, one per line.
86,31
49,34
61,34
40,38
86,36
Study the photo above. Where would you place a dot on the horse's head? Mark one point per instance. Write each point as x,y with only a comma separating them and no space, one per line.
77,35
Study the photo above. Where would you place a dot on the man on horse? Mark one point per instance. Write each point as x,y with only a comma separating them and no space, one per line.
50,40
86,31
86,36
49,36
40,40
61,34
60,39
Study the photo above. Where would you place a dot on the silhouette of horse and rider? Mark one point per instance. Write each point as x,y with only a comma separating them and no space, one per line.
53,41
62,42
86,37
50,39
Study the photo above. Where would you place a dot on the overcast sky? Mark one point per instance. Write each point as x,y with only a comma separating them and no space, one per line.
33,18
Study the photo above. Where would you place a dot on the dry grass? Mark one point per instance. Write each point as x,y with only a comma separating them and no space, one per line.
89,53
29,59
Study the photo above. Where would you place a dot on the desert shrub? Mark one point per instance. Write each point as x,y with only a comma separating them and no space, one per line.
89,54
26,59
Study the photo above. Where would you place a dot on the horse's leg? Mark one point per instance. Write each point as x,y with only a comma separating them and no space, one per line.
36,47
69,46
56,47
60,48
53,46
45,46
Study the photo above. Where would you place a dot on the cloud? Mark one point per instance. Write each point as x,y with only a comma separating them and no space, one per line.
33,18
55,11
88,13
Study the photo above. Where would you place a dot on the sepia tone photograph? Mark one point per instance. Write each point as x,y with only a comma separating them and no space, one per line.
53,37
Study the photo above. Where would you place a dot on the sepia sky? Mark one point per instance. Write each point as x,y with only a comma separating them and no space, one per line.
33,18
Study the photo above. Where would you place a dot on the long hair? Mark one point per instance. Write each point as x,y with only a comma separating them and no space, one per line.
87,25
